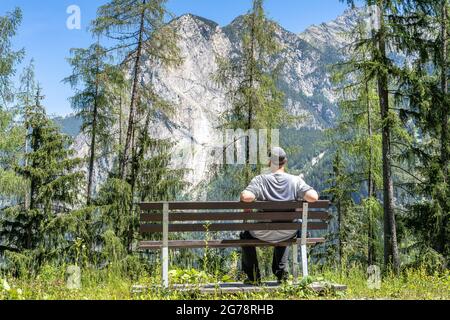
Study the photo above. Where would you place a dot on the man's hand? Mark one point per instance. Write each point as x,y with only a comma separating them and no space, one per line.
311,196
247,196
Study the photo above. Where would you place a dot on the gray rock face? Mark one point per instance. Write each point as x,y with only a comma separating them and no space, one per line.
333,35
198,101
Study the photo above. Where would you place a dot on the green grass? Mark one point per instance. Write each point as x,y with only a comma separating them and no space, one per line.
107,285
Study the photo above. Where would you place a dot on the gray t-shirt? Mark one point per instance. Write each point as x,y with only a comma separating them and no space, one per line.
277,187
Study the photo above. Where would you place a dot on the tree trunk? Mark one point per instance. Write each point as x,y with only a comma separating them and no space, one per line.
371,256
445,137
250,99
139,153
340,235
371,192
27,188
138,158
93,140
444,88
120,123
27,144
134,99
391,256
339,207
92,159
35,136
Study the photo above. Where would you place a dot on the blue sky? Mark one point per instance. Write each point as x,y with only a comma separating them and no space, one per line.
47,40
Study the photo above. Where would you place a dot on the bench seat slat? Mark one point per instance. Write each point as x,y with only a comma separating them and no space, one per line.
230,216
198,244
323,204
154,228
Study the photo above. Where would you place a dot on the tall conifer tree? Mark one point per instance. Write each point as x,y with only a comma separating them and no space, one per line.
251,82
93,78
139,28
425,28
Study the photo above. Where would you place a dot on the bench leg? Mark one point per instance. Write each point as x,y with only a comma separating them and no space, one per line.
295,263
165,246
165,267
303,240
304,261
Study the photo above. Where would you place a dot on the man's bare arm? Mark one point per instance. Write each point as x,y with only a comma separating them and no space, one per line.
311,196
247,196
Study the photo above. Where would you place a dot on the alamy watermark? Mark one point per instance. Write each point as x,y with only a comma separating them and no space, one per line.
374,277
73,22
234,147
374,22
236,142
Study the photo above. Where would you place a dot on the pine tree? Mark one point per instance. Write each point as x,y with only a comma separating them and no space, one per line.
251,82
26,102
10,131
425,85
8,57
357,135
93,78
341,196
381,68
54,180
12,135
443,196
139,27
444,234
156,168
391,254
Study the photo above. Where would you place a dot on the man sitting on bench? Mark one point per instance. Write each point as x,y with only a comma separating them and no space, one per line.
276,186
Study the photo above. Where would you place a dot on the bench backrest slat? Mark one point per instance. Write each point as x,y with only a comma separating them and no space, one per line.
234,205
213,216
197,227
231,216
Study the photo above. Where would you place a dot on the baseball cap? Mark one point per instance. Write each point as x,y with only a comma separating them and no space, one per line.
277,156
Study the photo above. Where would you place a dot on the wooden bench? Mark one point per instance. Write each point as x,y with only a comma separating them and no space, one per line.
171,217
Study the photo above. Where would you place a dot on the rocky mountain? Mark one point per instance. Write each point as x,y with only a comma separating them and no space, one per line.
334,35
304,78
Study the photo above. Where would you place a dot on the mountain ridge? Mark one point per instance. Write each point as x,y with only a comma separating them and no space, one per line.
305,80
